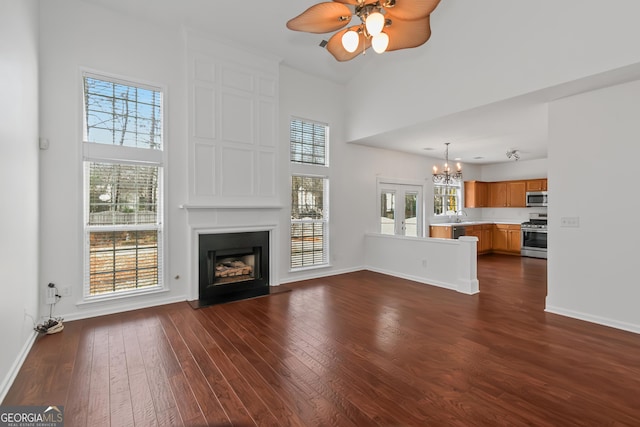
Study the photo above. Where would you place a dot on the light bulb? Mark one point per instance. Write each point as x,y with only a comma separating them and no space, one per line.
374,23
350,40
380,42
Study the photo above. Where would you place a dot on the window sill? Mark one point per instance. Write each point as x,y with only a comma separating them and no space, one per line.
311,267
121,295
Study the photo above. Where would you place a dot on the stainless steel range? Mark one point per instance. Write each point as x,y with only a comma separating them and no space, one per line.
534,236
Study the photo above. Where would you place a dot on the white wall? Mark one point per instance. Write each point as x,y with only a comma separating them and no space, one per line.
593,175
353,171
74,34
481,52
18,183
512,170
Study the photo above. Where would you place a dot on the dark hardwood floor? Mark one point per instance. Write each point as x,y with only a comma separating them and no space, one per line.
358,349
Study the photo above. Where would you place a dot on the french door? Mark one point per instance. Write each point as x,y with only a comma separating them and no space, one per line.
400,209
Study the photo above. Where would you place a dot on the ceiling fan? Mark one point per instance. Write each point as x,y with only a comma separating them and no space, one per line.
385,25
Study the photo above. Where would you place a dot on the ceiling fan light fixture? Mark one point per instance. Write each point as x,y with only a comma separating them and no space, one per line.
380,42
350,41
374,23
386,24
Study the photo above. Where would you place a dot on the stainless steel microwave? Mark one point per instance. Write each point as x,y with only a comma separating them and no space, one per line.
536,198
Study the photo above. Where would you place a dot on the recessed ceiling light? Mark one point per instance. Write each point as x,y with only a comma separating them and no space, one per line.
478,158
428,149
458,159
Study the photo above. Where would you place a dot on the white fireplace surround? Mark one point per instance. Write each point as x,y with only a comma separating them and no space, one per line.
196,231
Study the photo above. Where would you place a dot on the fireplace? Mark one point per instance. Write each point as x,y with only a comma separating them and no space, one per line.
232,266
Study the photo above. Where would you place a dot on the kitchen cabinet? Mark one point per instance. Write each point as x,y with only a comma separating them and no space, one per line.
537,185
498,194
486,244
508,194
443,232
513,240
483,233
476,194
500,238
506,238
516,194
473,230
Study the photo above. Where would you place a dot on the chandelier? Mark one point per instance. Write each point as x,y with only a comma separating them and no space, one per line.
446,176
385,25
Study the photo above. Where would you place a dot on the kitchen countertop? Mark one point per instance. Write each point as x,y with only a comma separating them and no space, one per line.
464,223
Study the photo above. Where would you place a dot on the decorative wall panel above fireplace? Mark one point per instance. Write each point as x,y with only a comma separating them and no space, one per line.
233,115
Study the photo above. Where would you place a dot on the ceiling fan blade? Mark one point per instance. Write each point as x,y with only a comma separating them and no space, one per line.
411,9
336,49
354,2
404,34
321,18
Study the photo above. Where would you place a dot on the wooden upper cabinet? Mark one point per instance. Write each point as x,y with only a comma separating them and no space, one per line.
537,185
476,194
516,194
498,194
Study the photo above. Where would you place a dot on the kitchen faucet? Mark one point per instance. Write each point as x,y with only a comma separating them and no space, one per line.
458,215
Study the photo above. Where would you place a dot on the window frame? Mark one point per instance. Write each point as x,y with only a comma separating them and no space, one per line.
324,221
402,188
93,152
311,170
458,197
326,142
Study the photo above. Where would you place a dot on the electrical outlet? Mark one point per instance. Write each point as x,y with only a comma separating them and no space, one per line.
66,292
570,221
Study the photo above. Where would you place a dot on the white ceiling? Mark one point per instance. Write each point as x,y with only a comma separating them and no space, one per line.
480,136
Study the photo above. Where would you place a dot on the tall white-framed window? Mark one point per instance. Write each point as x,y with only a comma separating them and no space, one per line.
309,194
309,221
447,199
122,185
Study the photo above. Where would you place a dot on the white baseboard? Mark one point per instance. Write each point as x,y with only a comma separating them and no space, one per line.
422,280
96,310
319,273
17,364
604,321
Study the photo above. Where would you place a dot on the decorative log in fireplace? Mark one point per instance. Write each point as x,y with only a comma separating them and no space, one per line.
233,266
232,269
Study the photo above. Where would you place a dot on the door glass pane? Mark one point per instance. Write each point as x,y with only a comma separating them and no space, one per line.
410,214
387,212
